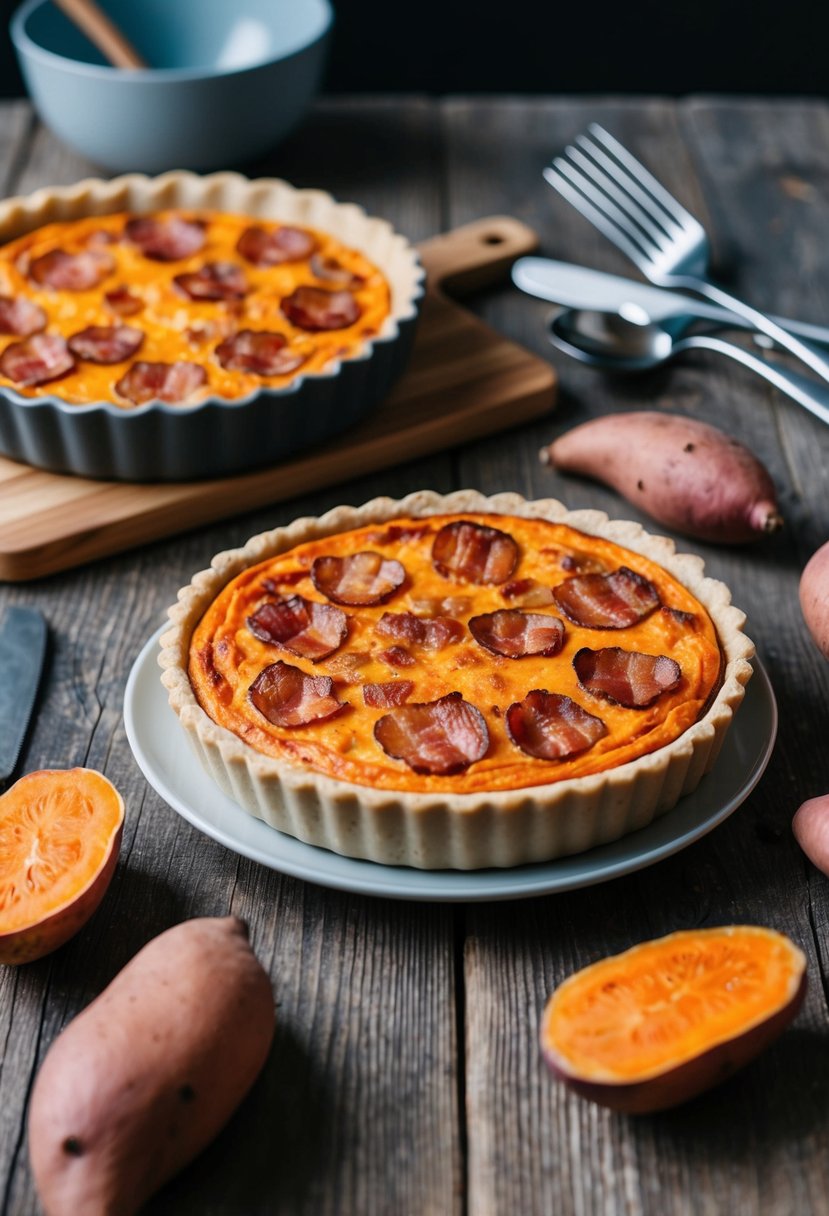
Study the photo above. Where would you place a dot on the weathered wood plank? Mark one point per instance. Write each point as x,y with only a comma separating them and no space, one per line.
533,1148
357,1110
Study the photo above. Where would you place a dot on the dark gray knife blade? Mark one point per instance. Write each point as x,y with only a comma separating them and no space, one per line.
22,651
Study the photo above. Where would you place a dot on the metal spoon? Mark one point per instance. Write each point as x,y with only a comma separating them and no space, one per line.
624,343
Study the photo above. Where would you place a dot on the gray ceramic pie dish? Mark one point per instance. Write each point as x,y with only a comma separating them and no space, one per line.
215,437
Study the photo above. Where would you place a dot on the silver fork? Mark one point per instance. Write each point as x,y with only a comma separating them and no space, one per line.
671,248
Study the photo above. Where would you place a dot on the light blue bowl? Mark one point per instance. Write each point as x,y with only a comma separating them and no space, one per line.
229,79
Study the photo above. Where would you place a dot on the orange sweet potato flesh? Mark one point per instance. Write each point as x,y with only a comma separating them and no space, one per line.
147,1074
655,1026
60,834
685,474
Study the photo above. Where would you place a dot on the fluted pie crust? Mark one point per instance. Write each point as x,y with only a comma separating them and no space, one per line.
331,784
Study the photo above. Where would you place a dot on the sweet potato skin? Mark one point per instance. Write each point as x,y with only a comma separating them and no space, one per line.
814,597
811,830
146,1075
685,474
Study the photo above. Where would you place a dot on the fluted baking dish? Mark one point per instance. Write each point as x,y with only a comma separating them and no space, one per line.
216,436
440,829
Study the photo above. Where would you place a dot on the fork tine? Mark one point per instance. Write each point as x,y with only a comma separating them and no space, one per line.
633,196
639,173
660,235
557,179
621,218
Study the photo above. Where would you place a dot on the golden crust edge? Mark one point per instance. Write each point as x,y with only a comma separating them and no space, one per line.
456,831
260,198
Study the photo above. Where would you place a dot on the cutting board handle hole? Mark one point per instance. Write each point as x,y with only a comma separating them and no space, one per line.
493,238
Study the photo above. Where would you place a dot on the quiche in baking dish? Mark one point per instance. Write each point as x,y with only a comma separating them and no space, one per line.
178,305
456,681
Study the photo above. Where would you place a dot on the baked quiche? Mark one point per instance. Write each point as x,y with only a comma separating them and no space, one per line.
458,681
178,305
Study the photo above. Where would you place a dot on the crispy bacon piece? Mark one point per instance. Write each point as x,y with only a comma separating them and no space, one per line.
106,343
516,634
331,271
626,677
397,656
314,308
170,382
71,271
288,697
21,316
260,352
305,627
167,239
360,578
388,694
432,633
474,553
36,360
607,601
121,301
442,737
265,247
213,281
531,593
550,726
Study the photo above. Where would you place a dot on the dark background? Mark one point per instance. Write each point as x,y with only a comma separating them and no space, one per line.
595,46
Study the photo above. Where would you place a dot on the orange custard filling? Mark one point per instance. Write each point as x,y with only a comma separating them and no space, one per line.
182,298
227,656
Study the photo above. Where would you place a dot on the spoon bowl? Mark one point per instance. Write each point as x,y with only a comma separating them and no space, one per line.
628,341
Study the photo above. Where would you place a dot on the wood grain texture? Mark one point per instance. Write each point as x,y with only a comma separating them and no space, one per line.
532,1147
357,1110
406,1076
464,381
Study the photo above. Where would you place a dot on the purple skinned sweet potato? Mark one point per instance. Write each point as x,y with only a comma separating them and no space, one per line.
685,474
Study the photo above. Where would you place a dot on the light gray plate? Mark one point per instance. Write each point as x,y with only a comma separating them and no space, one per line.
167,760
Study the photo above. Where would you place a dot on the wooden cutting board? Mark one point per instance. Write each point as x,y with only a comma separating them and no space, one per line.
464,380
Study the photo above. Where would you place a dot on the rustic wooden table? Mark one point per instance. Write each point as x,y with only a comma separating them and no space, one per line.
405,1075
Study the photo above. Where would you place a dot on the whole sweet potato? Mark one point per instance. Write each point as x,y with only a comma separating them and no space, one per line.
148,1073
686,474
814,597
811,830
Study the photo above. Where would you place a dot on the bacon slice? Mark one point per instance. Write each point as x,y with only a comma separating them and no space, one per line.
397,656
626,677
388,694
121,301
170,382
305,627
331,271
36,360
442,737
550,726
106,343
260,352
474,553
314,308
531,593
516,634
265,247
71,271
213,281
361,578
21,316
607,601
167,239
288,697
433,633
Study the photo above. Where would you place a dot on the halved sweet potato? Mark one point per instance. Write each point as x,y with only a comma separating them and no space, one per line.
652,1027
60,832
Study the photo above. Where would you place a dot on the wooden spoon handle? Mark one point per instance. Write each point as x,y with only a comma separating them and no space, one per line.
100,30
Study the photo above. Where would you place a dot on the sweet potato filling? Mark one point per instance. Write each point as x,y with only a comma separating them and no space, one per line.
419,633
